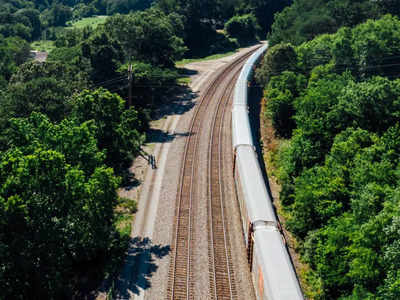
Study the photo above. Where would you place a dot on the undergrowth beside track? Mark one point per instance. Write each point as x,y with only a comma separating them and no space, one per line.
271,145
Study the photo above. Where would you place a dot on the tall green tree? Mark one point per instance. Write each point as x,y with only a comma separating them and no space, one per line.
119,131
56,210
42,87
147,36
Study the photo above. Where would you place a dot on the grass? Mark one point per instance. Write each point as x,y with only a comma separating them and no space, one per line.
184,80
46,46
123,222
90,21
210,57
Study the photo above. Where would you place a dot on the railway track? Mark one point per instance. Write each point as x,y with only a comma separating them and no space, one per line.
180,283
222,281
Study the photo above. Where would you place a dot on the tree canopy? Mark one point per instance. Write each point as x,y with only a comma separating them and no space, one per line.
306,19
336,99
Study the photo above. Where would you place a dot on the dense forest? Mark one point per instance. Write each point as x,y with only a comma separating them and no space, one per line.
332,90
69,135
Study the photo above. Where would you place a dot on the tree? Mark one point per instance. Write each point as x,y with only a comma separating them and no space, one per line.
305,19
77,142
243,28
327,251
147,36
282,90
57,15
119,132
33,20
105,56
279,58
42,87
52,205
264,11
13,52
19,48
377,99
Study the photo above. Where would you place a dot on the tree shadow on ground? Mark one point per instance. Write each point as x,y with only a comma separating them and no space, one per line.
141,264
160,136
129,181
182,102
187,71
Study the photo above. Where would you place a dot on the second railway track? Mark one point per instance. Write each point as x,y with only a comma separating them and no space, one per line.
180,281
222,281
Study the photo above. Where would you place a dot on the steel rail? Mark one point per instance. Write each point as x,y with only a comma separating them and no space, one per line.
223,287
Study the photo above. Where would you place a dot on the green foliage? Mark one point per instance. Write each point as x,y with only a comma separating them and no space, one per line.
24,23
73,37
91,22
279,58
56,195
13,52
243,28
332,169
126,6
128,204
76,141
200,20
305,19
42,87
265,10
340,170
369,49
282,90
147,36
57,15
376,46
151,84
105,56
315,52
118,130
376,99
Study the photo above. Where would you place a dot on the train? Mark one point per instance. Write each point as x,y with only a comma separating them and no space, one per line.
272,270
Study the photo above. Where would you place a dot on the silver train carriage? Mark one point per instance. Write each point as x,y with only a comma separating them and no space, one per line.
272,270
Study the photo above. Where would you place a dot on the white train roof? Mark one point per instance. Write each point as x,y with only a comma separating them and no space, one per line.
241,131
240,93
258,203
280,281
